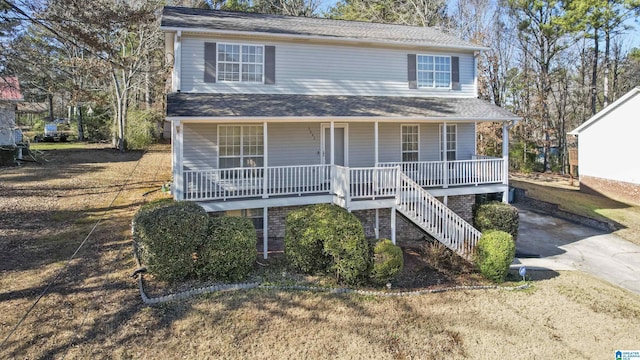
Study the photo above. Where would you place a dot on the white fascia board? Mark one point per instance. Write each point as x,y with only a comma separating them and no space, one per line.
331,39
284,119
605,111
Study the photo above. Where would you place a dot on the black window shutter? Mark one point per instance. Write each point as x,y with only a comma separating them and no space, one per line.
455,73
210,62
411,71
269,64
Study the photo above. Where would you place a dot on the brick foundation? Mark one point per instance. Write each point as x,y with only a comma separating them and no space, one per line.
610,188
463,206
405,229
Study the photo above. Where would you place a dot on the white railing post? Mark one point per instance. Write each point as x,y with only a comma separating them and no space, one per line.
347,187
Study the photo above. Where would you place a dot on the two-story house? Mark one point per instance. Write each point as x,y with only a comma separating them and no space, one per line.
273,112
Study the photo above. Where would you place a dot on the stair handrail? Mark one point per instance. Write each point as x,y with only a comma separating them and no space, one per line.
435,218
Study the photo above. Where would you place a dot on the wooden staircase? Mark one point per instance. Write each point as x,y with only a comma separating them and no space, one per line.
432,216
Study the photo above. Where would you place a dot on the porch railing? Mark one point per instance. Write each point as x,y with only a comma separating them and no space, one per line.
365,183
483,170
223,184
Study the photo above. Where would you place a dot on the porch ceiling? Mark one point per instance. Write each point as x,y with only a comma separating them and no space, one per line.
190,105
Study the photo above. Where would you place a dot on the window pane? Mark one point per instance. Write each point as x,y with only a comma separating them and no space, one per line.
227,163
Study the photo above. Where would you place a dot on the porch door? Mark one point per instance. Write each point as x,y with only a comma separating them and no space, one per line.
340,143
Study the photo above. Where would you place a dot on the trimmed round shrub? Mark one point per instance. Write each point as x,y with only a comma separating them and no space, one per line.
168,236
327,238
347,246
229,252
305,232
387,261
494,253
496,216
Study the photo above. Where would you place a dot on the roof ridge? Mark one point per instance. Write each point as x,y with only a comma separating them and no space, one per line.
251,13
212,20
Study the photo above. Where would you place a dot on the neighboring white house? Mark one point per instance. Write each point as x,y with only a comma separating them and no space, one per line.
9,96
608,148
274,112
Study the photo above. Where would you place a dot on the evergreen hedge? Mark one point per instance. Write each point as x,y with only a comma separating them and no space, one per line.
494,254
328,238
496,215
168,236
178,241
387,262
229,251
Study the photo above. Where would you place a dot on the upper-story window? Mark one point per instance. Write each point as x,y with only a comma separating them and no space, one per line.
434,71
242,63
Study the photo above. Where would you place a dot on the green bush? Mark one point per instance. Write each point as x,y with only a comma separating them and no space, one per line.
305,232
229,252
494,253
323,238
348,247
496,216
168,236
141,128
387,261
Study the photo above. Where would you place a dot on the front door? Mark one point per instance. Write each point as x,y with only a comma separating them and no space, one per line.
340,143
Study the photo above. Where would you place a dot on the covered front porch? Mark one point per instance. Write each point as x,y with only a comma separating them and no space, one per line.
227,162
441,178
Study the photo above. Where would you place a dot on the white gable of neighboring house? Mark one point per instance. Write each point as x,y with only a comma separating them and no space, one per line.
608,143
7,125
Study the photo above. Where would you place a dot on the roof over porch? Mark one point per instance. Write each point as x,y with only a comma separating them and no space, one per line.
214,106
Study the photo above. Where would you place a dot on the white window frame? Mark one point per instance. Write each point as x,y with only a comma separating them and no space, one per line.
433,71
324,141
455,150
240,63
242,155
402,151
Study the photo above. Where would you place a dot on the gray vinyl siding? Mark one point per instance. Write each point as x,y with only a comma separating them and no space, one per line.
466,141
299,144
317,69
389,146
293,144
200,149
430,142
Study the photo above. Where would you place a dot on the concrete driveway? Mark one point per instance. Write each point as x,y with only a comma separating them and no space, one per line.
563,245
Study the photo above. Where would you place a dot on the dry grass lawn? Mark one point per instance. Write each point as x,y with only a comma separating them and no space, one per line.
93,310
557,190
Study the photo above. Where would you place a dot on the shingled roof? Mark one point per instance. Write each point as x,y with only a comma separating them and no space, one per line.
10,89
211,20
264,105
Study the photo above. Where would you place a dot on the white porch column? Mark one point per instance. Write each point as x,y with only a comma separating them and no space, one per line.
332,143
393,225
177,62
444,149
375,141
265,174
505,159
177,130
265,232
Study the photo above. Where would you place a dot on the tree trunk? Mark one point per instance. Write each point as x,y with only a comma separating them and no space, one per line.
50,98
594,74
80,127
607,42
